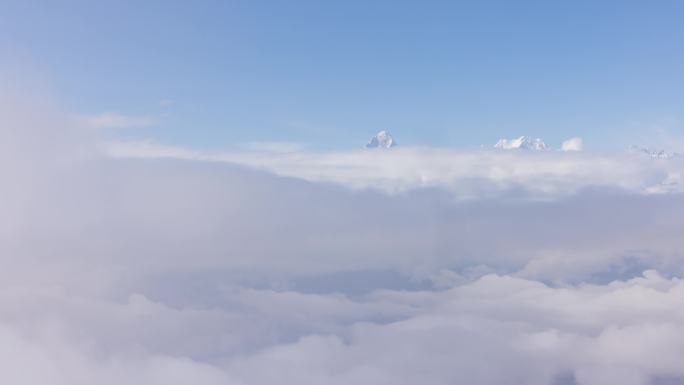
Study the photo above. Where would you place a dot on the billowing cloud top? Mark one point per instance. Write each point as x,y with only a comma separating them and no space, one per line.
573,144
146,264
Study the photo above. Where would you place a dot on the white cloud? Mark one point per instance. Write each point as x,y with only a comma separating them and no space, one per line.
116,120
573,144
276,147
146,148
465,173
496,330
164,265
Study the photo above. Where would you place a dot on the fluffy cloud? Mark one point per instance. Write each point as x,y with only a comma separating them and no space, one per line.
170,266
572,144
497,330
493,330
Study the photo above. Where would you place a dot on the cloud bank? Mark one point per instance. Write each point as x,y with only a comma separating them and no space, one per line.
162,265
466,174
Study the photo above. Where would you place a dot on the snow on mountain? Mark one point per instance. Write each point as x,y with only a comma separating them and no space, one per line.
382,139
651,153
523,142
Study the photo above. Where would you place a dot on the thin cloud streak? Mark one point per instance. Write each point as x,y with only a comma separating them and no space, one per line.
115,120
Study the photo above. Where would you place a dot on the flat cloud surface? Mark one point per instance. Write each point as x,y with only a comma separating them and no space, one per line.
145,264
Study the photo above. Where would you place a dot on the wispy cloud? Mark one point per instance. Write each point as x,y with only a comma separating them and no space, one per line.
274,147
165,103
116,120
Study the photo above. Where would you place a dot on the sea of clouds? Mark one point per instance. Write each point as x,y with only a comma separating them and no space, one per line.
138,263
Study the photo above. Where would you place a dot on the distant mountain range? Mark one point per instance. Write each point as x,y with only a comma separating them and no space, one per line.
651,153
384,139
523,142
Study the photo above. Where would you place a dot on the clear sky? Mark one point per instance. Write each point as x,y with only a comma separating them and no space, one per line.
331,74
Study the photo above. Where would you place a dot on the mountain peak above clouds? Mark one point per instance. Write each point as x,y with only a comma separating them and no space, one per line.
523,142
382,139
652,153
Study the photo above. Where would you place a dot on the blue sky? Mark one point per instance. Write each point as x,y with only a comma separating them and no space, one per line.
331,74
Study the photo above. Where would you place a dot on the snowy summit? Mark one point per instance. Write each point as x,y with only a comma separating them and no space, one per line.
523,142
382,139
651,153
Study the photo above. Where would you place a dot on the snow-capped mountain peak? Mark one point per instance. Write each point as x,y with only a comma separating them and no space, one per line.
382,139
523,142
651,153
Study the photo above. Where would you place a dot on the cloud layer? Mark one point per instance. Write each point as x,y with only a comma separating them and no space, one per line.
466,174
170,266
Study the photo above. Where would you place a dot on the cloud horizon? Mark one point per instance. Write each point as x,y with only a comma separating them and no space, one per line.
148,264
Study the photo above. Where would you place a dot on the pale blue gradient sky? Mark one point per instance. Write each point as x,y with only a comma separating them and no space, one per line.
330,74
